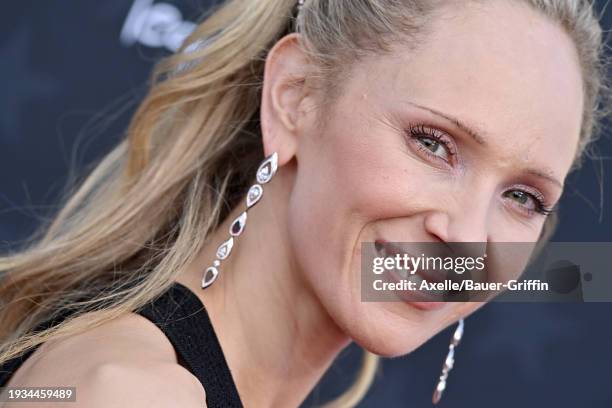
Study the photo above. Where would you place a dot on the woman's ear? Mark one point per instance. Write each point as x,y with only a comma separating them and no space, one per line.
282,94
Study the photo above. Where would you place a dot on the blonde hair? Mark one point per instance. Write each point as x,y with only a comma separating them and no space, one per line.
193,146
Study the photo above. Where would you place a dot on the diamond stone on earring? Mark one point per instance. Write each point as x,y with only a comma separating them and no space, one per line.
449,362
238,225
265,172
458,333
254,194
267,169
209,276
225,249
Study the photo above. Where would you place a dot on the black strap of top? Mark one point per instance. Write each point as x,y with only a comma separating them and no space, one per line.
181,316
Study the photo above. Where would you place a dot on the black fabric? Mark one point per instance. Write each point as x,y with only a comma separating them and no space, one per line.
181,316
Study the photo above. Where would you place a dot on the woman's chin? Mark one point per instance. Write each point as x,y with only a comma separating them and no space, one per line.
391,340
393,329
386,347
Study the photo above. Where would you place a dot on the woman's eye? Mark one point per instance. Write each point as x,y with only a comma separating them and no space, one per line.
528,202
434,147
433,143
519,196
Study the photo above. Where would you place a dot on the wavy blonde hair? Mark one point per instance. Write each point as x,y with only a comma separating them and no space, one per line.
191,149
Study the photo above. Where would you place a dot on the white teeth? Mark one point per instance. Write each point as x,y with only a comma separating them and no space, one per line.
415,277
380,249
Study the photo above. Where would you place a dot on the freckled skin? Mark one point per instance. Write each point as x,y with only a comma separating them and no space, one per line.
521,88
288,299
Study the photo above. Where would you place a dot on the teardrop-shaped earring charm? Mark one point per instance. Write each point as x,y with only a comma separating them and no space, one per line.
254,195
265,172
210,275
238,225
225,249
267,169
449,362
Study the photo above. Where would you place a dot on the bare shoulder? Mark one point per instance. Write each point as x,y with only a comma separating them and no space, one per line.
127,361
123,385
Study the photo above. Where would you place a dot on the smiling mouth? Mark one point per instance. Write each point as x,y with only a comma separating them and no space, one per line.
438,284
390,250
422,299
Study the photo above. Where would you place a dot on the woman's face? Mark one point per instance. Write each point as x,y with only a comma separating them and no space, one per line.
465,139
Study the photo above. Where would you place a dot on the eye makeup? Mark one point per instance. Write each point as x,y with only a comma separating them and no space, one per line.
520,194
428,140
424,138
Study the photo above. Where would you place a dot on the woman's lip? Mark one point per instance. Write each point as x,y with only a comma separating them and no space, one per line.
416,294
427,305
429,275
415,298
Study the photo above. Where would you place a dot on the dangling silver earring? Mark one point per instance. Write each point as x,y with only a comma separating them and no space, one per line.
266,170
448,363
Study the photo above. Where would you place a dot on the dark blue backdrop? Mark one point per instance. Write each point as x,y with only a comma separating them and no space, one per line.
70,76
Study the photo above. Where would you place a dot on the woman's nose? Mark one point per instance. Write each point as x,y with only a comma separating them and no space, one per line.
459,223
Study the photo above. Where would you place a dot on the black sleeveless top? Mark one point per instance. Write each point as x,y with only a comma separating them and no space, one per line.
181,316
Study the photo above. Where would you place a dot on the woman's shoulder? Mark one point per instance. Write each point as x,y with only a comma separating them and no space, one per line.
126,361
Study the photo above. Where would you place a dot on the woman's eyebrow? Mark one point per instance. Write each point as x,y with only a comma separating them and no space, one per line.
477,136
470,130
546,176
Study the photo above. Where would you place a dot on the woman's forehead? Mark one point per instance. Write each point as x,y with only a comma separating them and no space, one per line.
504,68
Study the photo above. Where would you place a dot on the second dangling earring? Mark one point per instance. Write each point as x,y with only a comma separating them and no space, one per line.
448,363
264,174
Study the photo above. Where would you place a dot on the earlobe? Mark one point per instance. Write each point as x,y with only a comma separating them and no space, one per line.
282,93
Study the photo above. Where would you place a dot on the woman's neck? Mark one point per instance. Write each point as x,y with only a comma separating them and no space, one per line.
277,337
